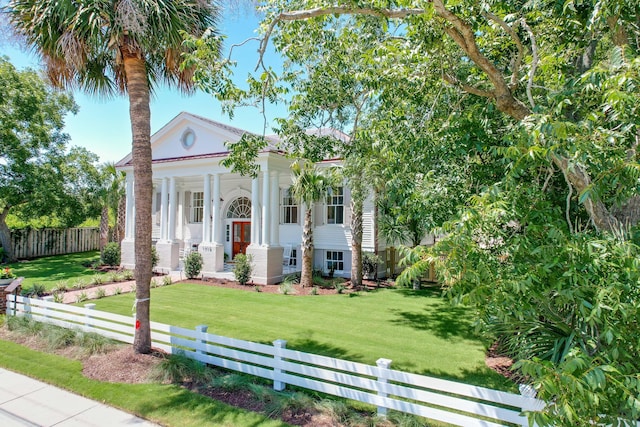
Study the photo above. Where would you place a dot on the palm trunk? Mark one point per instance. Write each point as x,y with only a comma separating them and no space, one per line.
121,219
356,242
306,277
5,236
104,227
140,113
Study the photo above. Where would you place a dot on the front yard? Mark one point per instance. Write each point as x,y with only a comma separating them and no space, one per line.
417,330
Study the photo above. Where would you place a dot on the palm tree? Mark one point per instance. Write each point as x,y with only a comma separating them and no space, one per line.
309,186
125,47
112,193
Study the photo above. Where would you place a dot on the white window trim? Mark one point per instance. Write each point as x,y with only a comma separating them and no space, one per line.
193,207
283,192
327,206
326,261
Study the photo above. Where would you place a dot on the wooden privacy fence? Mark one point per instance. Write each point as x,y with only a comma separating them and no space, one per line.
32,243
433,398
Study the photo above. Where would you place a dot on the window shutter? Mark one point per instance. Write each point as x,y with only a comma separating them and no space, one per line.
187,207
158,207
347,206
319,214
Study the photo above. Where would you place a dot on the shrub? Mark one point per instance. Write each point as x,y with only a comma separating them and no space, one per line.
166,280
178,368
111,254
117,291
193,264
58,297
101,293
36,290
155,258
127,275
81,297
370,263
243,268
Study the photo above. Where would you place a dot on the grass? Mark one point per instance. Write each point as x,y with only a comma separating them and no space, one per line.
50,271
168,405
417,330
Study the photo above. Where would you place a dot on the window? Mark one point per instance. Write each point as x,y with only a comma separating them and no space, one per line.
188,138
335,261
289,212
240,208
335,206
293,260
197,206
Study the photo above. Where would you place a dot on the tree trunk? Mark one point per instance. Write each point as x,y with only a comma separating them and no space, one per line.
5,236
104,227
121,219
356,242
140,114
306,276
376,241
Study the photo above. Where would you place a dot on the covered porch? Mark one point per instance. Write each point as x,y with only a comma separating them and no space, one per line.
198,205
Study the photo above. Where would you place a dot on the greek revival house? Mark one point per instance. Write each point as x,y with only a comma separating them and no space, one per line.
200,205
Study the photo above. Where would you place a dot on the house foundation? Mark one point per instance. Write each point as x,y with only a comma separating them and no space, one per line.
168,255
267,264
128,254
212,258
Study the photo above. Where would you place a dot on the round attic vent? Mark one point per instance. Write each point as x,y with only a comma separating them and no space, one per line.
188,138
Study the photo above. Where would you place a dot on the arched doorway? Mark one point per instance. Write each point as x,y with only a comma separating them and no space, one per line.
239,212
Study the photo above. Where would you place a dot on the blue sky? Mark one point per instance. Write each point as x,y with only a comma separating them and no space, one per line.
103,126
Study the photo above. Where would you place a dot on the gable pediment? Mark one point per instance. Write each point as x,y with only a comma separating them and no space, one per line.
188,135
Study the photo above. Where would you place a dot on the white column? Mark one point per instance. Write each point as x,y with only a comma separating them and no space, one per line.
217,224
255,200
130,220
266,208
206,210
275,209
164,208
172,208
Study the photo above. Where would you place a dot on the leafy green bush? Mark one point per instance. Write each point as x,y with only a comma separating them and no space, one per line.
243,268
370,263
111,254
193,264
155,258
36,290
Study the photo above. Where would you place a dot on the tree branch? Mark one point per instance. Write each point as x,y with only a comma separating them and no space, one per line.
467,88
518,61
298,15
534,61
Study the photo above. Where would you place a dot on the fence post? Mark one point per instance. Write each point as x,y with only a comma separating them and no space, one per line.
531,403
383,374
279,345
48,298
27,307
87,314
201,341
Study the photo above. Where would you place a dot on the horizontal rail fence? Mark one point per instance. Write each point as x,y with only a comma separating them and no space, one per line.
380,386
32,243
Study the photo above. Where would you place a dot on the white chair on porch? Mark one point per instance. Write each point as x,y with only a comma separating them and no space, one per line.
286,258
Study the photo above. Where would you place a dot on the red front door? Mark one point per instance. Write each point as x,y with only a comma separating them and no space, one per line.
241,237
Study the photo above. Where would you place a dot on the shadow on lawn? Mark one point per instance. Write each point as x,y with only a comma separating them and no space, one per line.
440,319
309,345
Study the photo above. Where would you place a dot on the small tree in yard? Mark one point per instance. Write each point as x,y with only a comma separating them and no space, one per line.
193,264
243,268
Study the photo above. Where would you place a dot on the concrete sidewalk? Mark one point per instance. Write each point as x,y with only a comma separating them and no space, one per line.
28,402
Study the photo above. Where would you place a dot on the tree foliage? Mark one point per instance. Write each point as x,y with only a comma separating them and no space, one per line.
40,175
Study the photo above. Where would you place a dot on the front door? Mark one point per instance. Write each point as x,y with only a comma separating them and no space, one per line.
241,237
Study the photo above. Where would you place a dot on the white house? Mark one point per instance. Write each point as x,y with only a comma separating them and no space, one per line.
201,205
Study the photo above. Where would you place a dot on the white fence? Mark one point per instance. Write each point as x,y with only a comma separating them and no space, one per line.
385,388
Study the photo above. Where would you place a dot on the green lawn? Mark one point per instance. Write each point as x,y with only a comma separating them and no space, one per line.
168,405
49,271
417,330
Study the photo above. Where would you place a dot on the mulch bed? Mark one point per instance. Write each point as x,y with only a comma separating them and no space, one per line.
367,285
